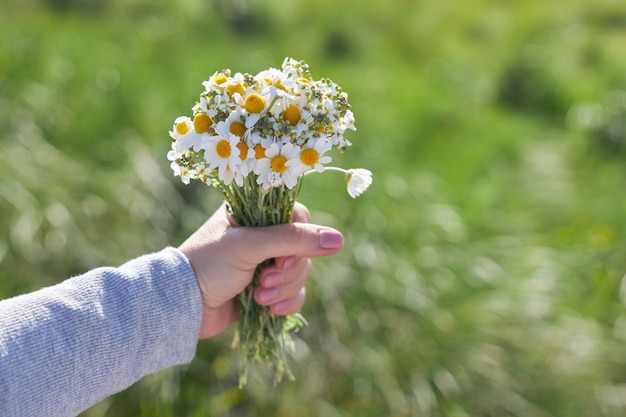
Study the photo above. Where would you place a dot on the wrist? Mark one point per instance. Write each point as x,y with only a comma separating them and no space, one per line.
217,320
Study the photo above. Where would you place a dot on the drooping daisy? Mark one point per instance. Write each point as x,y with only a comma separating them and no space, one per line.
358,180
274,169
312,156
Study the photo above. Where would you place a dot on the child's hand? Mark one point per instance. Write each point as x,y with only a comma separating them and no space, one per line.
224,257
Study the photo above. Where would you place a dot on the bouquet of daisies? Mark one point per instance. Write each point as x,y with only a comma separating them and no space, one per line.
254,137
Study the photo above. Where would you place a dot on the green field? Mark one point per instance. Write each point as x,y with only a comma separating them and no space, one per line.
483,270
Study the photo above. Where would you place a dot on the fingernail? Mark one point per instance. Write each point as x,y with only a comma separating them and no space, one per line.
267,295
329,239
273,279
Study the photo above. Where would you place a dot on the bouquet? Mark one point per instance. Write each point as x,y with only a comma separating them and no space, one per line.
254,137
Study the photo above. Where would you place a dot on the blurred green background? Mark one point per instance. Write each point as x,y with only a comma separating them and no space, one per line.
483,270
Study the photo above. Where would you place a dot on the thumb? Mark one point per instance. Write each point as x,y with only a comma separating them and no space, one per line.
256,244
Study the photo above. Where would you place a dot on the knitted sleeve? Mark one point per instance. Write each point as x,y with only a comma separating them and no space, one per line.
66,347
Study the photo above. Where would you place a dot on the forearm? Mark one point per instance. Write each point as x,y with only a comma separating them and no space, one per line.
64,348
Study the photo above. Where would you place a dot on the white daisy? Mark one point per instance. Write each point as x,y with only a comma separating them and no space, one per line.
277,83
312,156
358,180
228,175
182,125
238,123
201,129
184,173
183,134
252,102
297,67
274,169
222,153
235,84
346,122
216,82
204,106
248,161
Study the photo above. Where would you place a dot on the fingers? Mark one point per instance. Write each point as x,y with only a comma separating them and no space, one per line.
294,239
285,262
298,238
282,284
285,306
283,289
291,305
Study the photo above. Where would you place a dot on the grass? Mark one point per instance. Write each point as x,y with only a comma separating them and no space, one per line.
482,274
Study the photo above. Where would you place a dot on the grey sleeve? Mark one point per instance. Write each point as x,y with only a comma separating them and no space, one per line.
66,347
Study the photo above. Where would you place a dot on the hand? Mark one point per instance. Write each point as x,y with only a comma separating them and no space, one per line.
224,257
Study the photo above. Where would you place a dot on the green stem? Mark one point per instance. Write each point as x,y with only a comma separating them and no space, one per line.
261,335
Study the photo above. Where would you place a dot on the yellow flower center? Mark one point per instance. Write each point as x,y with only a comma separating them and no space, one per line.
278,163
280,85
181,128
243,150
223,148
254,103
236,88
303,81
237,128
309,157
202,122
220,79
259,151
292,114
